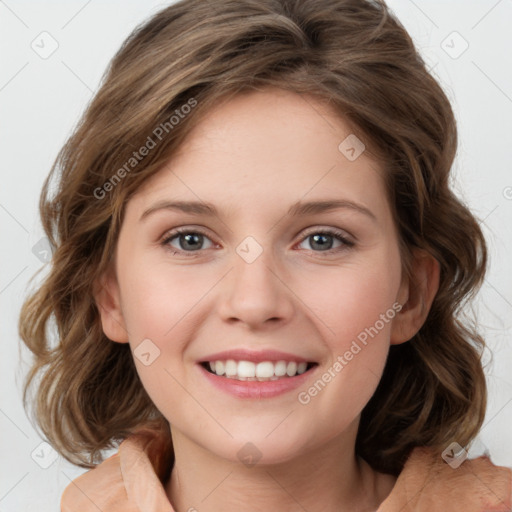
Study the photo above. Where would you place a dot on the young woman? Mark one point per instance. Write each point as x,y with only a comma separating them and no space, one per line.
258,270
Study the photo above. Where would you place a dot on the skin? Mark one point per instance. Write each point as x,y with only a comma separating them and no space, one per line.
252,158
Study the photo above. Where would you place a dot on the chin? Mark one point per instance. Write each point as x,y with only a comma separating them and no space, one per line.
264,449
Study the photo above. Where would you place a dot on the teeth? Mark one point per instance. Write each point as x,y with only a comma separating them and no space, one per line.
219,368
280,369
245,369
291,369
266,370
231,368
301,367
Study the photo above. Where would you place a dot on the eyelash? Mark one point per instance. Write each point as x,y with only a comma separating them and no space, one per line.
337,234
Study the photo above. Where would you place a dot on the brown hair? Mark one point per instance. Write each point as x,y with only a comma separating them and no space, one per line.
353,55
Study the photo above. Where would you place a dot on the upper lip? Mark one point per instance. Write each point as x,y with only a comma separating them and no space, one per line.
256,356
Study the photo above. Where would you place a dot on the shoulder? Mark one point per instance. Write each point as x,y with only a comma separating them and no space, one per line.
427,483
128,481
101,488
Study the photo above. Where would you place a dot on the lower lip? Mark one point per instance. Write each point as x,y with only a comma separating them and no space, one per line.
257,389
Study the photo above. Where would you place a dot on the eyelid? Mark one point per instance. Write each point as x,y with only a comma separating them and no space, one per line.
330,231
347,241
173,233
341,235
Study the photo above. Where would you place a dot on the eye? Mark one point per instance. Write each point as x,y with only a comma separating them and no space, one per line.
324,240
186,240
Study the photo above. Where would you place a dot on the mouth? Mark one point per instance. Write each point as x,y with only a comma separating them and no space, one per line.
263,371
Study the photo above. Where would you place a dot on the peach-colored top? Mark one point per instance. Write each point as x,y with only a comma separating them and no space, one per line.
132,481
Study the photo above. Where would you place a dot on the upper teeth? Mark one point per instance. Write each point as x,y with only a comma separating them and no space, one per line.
266,370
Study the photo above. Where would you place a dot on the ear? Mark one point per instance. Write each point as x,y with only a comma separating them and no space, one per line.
416,295
108,300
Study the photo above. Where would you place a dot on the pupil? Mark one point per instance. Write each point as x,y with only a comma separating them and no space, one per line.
191,239
320,241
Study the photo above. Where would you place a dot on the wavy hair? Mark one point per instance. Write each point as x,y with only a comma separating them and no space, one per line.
355,56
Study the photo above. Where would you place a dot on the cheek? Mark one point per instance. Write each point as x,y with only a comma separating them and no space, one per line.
357,340
356,307
156,302
152,316
158,305
352,301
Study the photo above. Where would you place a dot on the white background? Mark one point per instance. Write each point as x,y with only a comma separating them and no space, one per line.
42,99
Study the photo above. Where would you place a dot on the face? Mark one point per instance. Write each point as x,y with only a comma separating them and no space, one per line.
262,273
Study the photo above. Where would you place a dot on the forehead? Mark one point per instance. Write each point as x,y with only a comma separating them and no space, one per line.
269,148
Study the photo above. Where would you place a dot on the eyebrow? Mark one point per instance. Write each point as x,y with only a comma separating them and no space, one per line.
297,209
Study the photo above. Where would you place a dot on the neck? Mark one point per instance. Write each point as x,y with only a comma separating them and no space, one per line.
329,478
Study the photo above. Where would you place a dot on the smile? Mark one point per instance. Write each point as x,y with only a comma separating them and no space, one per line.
242,381
261,372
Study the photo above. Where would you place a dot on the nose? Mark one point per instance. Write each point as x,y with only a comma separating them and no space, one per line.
255,293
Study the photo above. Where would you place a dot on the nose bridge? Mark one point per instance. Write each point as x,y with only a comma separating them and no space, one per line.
255,293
